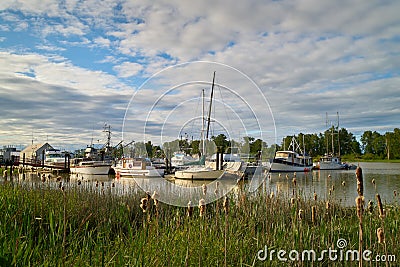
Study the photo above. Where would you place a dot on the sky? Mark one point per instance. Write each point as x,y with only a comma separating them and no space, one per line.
67,68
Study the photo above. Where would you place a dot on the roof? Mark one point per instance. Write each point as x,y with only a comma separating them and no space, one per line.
35,147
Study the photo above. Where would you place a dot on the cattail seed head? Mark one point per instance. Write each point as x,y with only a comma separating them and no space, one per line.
395,193
315,196
381,235
370,206
327,205
373,181
216,191
155,198
360,184
189,209
292,201
204,187
294,181
226,205
343,183
300,214
271,195
380,206
313,213
360,206
202,207
143,204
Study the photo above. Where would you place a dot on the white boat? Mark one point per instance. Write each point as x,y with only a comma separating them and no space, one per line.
88,166
54,157
330,162
290,160
204,171
181,159
136,168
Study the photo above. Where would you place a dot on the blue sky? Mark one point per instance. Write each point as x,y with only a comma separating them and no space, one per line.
69,67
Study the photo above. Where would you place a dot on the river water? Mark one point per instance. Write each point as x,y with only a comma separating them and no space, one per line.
338,185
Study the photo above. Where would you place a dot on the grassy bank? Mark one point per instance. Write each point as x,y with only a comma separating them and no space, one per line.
92,226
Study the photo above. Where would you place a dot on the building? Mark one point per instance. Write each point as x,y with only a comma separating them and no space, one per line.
35,152
9,154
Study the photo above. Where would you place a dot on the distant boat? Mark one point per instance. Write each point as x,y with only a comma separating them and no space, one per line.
330,162
290,160
93,163
54,157
137,168
182,160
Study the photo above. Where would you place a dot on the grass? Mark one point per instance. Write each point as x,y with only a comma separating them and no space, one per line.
42,225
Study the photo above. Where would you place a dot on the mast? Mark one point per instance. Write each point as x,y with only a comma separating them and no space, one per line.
209,110
338,138
326,133
202,125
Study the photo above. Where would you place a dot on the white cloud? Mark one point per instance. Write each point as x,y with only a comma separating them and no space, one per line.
128,69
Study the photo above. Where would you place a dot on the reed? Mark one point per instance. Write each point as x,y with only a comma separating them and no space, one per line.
97,226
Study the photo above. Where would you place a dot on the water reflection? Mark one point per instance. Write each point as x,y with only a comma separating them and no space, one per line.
339,186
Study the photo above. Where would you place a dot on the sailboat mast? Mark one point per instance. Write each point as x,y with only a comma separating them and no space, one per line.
202,125
209,110
338,138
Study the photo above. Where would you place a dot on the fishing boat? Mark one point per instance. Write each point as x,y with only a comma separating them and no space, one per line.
93,163
137,168
330,162
290,160
54,157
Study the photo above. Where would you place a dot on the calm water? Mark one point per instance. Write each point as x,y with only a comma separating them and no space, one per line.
386,175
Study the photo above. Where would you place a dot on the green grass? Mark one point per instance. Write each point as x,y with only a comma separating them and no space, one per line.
44,226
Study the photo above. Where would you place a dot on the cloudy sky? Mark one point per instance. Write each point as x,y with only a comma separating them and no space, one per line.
69,67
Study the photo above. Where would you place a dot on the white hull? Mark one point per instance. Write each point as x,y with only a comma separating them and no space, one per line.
121,172
330,166
103,169
279,167
199,174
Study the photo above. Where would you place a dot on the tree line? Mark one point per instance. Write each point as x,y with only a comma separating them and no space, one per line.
333,141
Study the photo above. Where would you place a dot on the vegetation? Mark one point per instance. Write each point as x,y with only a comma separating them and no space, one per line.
88,225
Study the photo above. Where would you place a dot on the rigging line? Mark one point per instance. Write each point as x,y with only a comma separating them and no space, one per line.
226,113
195,114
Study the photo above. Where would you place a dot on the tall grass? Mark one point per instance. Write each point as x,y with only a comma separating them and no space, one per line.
93,226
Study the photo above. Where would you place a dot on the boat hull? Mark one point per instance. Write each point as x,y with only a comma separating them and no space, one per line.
199,174
91,170
131,173
284,167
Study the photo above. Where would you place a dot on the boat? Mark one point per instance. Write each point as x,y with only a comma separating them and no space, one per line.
137,168
330,162
90,167
290,160
182,160
54,157
202,171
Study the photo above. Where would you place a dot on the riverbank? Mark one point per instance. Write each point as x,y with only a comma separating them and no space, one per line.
92,226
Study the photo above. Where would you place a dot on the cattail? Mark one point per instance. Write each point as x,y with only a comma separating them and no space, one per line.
370,206
330,191
327,205
315,196
102,184
189,209
79,182
60,185
292,201
373,181
343,183
287,176
269,176
294,174
360,184
329,176
271,195
360,206
204,186
226,205
300,214
155,198
202,207
58,178
395,193
380,207
143,204
148,196
333,188
97,183
279,175
381,235
113,184
216,191
313,213
294,181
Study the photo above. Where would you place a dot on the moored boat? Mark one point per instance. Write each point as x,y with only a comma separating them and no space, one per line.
137,168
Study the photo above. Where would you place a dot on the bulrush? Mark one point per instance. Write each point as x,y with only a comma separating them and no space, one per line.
315,196
294,181
373,182
370,206
226,205
292,201
271,195
360,184
155,198
189,209
380,206
327,205
381,235
395,193
216,191
204,187
313,213
300,214
360,206
202,207
343,183
143,204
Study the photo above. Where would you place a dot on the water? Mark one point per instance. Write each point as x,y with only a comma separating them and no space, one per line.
339,185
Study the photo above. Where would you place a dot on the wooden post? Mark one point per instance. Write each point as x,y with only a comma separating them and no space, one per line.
43,159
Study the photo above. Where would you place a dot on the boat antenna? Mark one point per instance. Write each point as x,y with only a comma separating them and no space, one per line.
209,110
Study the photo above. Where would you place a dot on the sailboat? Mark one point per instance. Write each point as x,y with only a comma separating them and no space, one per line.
203,171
